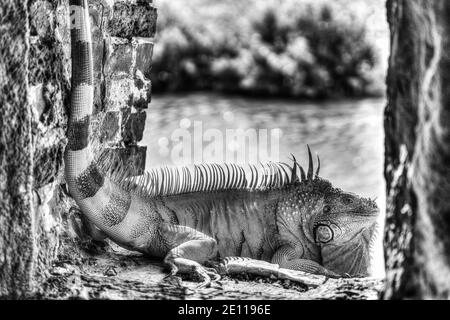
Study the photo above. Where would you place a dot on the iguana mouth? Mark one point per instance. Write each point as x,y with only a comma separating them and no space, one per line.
365,213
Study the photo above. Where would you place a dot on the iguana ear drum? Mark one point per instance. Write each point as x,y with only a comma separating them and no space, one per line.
323,233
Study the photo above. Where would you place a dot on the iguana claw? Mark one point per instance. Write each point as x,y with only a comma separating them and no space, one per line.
206,274
172,277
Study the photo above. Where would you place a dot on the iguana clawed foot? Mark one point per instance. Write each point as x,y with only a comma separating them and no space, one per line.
182,265
209,275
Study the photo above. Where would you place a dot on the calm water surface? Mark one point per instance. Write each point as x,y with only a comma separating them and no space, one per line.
347,135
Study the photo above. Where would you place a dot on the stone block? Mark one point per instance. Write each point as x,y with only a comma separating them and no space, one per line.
119,58
110,128
143,93
49,80
133,157
144,53
129,92
133,125
48,158
41,18
132,19
47,61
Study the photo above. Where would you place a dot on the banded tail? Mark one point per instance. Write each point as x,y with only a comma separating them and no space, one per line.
99,198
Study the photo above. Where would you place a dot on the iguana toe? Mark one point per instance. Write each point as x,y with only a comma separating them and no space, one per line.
172,278
207,275
213,273
204,275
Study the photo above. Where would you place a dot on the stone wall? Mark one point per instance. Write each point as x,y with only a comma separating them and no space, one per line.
16,213
122,45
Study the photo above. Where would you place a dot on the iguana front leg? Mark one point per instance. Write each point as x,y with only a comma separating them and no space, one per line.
287,257
190,249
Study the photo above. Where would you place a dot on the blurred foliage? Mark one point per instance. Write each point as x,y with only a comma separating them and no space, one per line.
292,48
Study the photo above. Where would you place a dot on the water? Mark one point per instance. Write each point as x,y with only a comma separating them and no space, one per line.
347,135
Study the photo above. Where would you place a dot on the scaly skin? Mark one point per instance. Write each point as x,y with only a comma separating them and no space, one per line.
307,226
300,224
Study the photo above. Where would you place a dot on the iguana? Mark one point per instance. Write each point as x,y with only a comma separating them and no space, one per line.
276,213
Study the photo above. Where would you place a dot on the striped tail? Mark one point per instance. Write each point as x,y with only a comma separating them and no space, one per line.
99,199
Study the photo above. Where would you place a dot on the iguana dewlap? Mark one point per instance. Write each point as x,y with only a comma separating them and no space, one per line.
188,216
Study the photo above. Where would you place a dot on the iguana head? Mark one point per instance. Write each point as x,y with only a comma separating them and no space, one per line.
341,216
344,228
326,215
340,224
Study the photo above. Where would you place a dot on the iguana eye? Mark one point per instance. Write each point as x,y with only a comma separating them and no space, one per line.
326,209
347,200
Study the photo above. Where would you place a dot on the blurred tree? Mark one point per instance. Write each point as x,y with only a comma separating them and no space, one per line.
417,166
285,48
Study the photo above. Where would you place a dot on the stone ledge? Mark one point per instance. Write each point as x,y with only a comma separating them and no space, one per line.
116,273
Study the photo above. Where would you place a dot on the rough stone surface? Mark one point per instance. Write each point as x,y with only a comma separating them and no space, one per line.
42,18
16,154
133,157
133,126
133,19
114,273
119,63
144,54
120,93
50,83
417,166
110,127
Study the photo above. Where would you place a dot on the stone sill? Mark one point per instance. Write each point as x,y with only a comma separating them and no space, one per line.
116,273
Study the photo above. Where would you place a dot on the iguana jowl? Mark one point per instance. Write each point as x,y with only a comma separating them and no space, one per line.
188,216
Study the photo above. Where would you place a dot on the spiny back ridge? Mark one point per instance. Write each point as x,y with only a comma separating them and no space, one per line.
165,181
